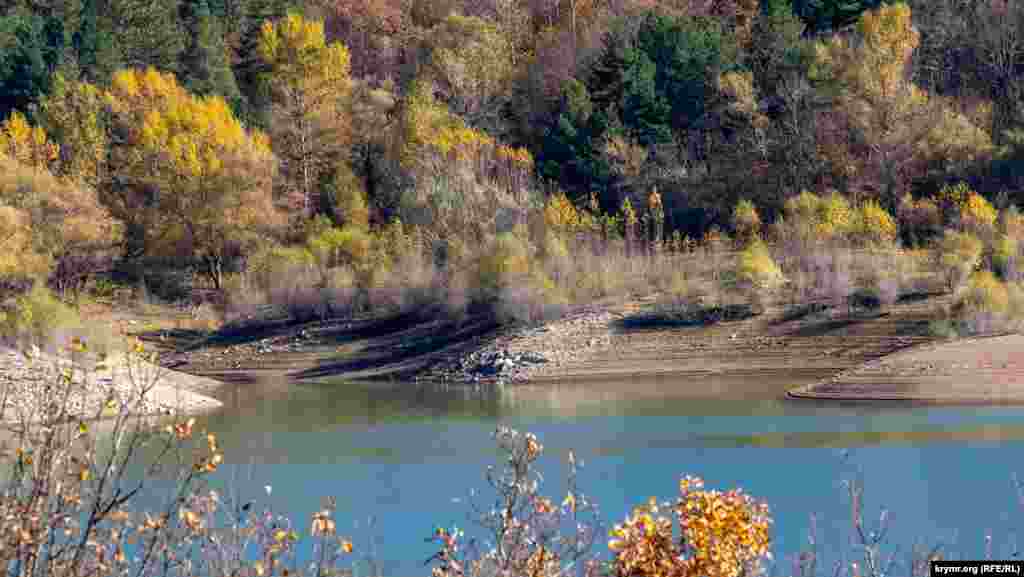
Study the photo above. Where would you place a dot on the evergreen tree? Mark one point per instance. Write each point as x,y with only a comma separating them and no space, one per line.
95,49
32,49
250,70
148,32
205,67
823,15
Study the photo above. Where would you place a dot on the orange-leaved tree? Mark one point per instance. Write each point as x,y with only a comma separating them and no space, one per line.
50,227
188,176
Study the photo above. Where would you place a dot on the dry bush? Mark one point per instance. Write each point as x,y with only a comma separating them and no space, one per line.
986,304
958,254
35,316
920,220
878,279
78,461
746,222
527,533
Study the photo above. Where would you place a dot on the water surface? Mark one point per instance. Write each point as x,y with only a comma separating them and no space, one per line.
406,454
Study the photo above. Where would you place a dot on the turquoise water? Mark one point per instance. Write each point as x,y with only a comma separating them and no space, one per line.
407,455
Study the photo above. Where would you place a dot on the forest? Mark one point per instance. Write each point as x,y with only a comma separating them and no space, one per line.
351,154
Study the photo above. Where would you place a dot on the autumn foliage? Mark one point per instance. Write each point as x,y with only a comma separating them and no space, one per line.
213,175
719,534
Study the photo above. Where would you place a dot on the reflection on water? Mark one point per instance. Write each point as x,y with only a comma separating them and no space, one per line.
609,417
401,453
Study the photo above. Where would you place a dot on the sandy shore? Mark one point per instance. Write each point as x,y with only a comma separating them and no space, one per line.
166,391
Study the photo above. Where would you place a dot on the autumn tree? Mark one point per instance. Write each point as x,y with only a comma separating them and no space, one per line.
311,86
372,30
26,144
75,114
243,21
472,60
52,228
874,140
186,173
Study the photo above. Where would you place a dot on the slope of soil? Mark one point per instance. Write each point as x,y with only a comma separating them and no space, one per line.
983,370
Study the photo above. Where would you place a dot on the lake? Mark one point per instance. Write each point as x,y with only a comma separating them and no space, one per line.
405,455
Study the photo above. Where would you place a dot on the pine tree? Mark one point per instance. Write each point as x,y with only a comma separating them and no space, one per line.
149,32
94,45
34,51
821,15
250,69
205,67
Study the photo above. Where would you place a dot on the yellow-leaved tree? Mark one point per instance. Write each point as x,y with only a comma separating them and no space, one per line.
311,84
27,144
187,175
73,114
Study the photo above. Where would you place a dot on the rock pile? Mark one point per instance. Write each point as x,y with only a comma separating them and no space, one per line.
528,352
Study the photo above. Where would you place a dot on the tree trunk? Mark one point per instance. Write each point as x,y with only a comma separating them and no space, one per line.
215,270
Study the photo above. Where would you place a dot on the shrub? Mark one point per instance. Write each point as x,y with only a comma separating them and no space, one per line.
35,316
836,218
959,254
758,273
987,304
746,221
967,209
919,220
757,268
873,225
816,218
977,213
333,247
561,215
507,258
1004,256
1011,222
985,293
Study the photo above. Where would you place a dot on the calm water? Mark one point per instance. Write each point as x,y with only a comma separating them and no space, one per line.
406,454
